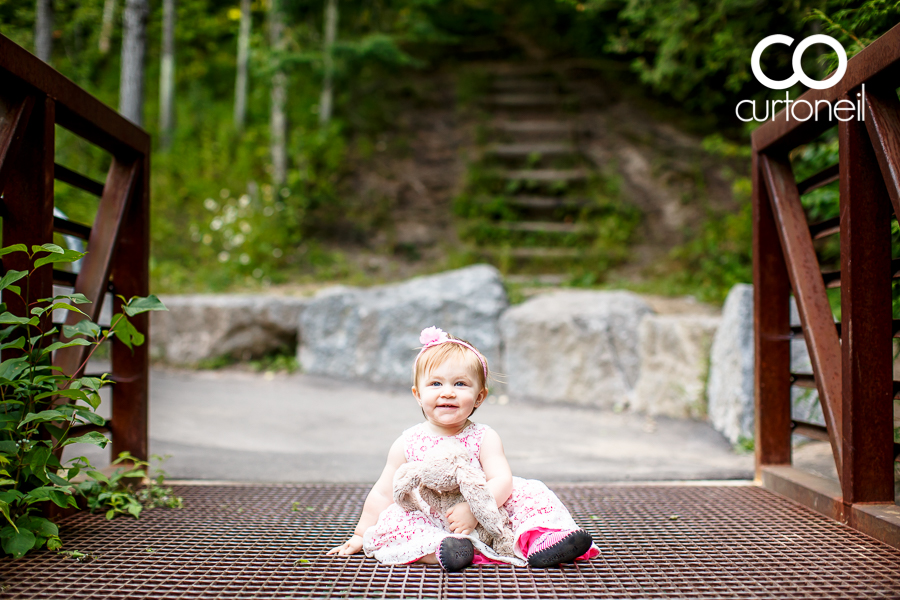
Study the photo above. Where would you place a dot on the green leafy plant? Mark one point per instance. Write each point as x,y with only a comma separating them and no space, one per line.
40,405
122,493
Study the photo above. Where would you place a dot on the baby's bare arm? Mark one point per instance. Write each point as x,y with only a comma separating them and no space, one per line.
380,497
496,467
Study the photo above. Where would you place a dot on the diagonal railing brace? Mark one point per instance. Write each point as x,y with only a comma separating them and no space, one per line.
809,290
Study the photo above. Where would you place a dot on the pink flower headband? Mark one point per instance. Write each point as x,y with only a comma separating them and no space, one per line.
432,336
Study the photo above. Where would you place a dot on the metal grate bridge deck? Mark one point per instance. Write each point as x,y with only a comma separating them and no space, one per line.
268,541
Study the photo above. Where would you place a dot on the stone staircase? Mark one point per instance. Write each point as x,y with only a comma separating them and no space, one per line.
534,206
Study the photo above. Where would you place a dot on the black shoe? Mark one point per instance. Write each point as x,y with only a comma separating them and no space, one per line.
455,554
565,550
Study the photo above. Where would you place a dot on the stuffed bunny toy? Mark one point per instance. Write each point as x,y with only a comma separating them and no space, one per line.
445,478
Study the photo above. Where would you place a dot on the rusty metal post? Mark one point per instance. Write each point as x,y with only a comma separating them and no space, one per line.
867,473
28,202
15,110
130,368
771,318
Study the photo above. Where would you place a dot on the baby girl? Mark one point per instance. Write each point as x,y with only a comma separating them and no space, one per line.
450,381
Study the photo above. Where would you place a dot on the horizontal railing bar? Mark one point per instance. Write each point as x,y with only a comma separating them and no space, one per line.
879,59
825,228
832,279
820,179
807,380
59,326
814,431
76,110
804,380
64,277
797,330
78,180
99,375
811,430
66,227
80,430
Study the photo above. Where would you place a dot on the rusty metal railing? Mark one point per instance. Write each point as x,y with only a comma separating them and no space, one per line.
851,360
34,99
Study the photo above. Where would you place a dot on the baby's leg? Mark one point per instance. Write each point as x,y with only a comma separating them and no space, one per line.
535,514
401,537
532,505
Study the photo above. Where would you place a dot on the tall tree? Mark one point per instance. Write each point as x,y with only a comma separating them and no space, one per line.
167,74
277,119
43,30
243,57
109,12
134,48
325,101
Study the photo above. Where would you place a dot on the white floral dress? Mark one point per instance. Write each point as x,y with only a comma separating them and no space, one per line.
401,537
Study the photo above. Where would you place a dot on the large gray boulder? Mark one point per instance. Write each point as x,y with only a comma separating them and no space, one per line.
373,333
573,346
805,404
674,352
731,392
198,328
730,388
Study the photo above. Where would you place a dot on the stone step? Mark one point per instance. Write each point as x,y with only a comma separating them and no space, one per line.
546,202
524,85
528,100
538,226
534,127
546,175
521,71
532,253
529,253
523,150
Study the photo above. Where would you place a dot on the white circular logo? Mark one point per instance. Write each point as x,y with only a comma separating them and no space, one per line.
798,75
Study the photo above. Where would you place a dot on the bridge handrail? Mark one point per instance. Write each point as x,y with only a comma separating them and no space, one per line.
851,360
34,98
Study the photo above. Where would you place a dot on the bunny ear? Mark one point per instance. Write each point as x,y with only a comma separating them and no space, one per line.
429,497
406,479
474,489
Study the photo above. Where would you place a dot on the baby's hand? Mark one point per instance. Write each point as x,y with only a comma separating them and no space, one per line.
351,546
461,519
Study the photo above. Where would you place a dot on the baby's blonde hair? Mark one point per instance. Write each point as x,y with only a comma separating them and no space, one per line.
434,356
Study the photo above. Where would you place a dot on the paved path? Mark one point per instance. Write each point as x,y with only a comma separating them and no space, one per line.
233,425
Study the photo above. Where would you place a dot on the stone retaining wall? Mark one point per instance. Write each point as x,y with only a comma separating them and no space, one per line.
200,328
608,349
373,333
573,346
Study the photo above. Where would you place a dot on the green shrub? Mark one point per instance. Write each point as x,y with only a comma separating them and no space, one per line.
39,405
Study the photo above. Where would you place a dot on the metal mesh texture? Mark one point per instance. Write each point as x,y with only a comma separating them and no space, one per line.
268,541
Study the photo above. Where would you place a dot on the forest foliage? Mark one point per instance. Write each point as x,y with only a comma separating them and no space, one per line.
220,222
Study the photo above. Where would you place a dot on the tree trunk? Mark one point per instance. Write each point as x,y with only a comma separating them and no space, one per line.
134,47
43,30
277,119
325,101
109,12
243,57
167,75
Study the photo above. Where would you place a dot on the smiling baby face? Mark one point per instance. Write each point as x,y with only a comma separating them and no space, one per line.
450,390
